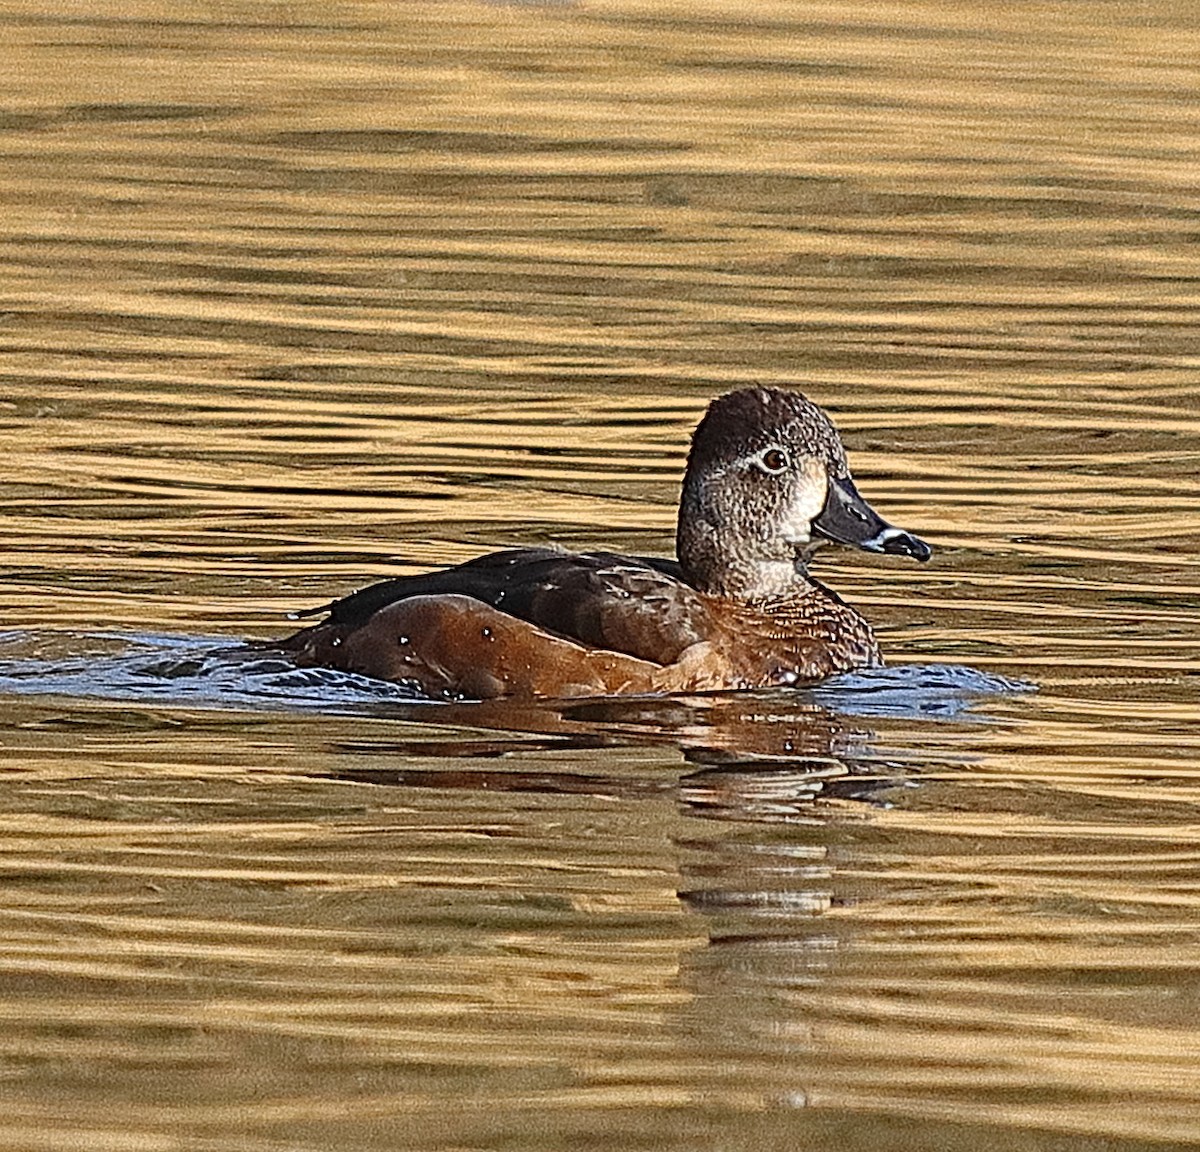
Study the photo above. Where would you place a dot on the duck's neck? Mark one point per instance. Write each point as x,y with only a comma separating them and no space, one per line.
719,567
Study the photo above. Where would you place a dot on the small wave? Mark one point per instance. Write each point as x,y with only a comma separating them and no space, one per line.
195,671
916,691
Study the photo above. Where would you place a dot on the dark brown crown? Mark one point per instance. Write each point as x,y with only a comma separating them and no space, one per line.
749,419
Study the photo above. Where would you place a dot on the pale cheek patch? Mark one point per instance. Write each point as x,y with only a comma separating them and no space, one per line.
812,488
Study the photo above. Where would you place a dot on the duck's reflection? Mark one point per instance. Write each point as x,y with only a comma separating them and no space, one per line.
773,768
755,859
759,757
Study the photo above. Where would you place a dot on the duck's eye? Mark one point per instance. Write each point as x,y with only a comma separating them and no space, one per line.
773,461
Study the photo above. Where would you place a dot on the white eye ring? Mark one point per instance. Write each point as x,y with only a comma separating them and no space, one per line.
773,460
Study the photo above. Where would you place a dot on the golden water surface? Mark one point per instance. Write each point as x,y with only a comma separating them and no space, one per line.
294,296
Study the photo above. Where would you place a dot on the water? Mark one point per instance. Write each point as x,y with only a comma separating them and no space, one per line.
293,300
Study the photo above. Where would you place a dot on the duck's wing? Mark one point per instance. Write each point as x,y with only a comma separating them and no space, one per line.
630,604
640,606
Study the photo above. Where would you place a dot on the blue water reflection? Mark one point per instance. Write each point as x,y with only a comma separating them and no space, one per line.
209,672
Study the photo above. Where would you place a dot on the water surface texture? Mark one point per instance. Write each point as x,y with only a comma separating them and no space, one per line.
296,296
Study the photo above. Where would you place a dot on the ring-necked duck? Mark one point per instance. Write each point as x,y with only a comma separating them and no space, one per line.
766,481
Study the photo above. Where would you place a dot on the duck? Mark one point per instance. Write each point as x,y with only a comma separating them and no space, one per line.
766,482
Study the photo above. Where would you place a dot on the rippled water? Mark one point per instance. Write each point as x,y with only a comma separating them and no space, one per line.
294,298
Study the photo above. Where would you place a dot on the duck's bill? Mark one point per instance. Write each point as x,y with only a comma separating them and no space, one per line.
848,519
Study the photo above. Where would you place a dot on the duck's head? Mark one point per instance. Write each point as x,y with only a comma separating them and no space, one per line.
766,481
